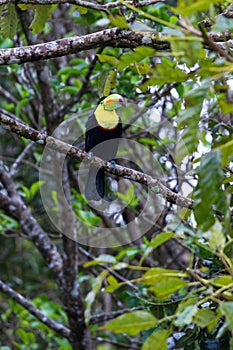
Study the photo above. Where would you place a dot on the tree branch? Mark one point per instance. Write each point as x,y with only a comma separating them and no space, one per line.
56,327
16,206
104,317
154,184
4,202
114,37
214,46
86,4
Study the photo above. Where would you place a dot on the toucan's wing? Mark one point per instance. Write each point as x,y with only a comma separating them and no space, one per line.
90,134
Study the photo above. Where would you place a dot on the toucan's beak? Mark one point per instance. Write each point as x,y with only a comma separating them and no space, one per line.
122,102
117,102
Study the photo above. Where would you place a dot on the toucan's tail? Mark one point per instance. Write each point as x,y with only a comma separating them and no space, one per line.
94,189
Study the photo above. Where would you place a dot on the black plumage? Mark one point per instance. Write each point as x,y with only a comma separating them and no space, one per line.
102,142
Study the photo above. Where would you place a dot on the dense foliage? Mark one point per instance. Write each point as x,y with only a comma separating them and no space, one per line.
164,278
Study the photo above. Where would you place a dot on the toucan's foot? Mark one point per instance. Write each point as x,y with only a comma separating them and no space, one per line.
91,154
113,163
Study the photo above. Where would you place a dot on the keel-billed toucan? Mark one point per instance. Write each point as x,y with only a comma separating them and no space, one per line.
103,130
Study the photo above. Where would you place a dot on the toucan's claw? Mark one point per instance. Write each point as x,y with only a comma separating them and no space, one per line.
113,163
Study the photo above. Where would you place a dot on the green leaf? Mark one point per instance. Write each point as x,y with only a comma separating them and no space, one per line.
101,259
54,197
25,192
20,106
143,68
156,242
146,141
222,281
132,57
204,317
225,106
112,287
82,10
77,83
129,197
7,223
8,20
157,340
187,50
185,317
129,252
112,280
189,138
188,120
214,69
113,284
222,24
120,266
157,274
25,336
42,14
64,76
185,303
107,82
25,7
188,7
68,71
6,44
165,73
160,239
91,296
35,187
22,90
119,21
216,237
88,217
167,286
108,59
190,115
131,323
226,309
72,90
162,283
208,190
226,152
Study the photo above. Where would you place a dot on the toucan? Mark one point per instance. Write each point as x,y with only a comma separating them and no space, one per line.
103,131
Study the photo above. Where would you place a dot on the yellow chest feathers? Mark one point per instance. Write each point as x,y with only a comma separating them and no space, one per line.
106,119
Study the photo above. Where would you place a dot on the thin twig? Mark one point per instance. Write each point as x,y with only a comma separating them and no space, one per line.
8,95
118,344
106,267
213,45
56,327
103,317
19,159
